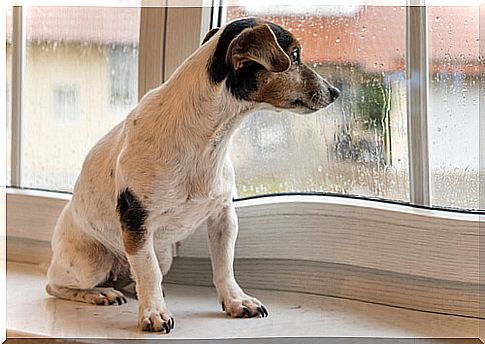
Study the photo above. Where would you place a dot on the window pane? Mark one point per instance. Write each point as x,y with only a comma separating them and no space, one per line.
358,146
453,106
80,80
8,93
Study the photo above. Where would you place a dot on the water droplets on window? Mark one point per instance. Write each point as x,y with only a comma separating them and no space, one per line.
80,81
358,146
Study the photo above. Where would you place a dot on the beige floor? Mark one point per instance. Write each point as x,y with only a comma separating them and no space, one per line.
31,311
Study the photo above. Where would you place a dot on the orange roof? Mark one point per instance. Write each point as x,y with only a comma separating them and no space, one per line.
373,37
81,24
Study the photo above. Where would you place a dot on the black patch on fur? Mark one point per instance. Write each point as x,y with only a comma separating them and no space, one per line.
283,37
132,214
209,35
217,66
243,82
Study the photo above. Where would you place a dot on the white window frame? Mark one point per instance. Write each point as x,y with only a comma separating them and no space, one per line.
400,244
417,61
18,62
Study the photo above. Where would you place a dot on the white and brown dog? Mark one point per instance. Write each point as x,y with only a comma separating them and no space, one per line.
155,177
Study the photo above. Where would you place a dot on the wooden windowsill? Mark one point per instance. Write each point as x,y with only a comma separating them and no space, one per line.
31,312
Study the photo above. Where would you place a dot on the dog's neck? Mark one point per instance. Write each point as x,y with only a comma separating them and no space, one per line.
195,113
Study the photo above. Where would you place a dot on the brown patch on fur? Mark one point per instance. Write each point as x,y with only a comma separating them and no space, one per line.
248,47
132,241
299,85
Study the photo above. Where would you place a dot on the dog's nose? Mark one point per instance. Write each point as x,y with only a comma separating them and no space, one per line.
334,92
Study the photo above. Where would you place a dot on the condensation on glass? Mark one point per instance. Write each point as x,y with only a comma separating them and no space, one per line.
453,117
358,146
80,81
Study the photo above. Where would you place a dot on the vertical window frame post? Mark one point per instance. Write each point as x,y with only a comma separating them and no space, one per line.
481,164
18,65
153,17
417,101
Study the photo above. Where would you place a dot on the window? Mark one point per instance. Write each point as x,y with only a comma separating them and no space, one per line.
80,81
359,146
87,59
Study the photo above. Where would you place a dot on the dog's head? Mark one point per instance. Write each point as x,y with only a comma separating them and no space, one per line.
260,61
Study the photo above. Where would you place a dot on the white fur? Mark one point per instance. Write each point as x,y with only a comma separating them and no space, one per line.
171,151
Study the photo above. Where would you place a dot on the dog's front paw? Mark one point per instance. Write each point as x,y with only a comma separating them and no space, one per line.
245,306
156,320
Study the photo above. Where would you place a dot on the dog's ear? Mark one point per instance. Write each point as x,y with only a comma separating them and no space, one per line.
209,34
258,44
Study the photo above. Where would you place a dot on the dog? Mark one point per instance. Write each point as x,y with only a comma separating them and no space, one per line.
163,171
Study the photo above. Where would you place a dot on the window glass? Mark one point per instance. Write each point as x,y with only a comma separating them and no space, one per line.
65,103
358,146
123,70
8,89
453,121
80,81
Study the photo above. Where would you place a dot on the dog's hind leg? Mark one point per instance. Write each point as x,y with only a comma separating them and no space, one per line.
80,266
97,295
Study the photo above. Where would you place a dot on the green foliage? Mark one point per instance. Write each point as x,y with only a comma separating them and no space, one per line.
373,104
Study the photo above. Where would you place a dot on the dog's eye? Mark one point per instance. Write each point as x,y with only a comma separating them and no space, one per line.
295,56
